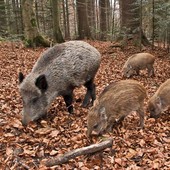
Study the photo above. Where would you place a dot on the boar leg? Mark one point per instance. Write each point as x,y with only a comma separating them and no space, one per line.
68,100
141,116
114,124
121,120
150,70
90,93
137,72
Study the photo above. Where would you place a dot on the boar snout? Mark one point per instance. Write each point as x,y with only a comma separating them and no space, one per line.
88,133
153,115
128,76
153,112
26,120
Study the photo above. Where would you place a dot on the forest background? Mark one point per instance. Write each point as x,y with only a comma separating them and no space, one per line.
45,21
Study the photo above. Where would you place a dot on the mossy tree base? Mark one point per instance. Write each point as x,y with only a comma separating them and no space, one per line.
33,38
133,39
37,42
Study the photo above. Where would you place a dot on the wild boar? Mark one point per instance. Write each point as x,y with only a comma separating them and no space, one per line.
57,72
138,62
116,101
160,100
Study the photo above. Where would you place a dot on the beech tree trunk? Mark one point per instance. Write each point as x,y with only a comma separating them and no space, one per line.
103,19
83,26
91,17
31,33
56,22
130,23
2,17
66,21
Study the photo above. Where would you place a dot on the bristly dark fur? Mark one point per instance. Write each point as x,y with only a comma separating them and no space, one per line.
57,72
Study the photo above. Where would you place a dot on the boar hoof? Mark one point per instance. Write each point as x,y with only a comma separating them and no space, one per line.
154,116
85,104
152,75
70,109
140,127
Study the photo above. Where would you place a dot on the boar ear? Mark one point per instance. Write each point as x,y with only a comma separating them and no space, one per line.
159,102
21,77
41,83
102,113
129,66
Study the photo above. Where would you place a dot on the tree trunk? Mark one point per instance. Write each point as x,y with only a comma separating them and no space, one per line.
68,20
97,20
43,15
113,20
83,26
15,25
103,19
130,23
64,19
108,14
32,36
2,18
153,25
56,22
19,16
91,16
73,3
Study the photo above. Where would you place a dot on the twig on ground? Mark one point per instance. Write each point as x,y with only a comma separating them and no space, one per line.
80,151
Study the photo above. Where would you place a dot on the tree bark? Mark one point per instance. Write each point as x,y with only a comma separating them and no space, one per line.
130,23
68,20
2,17
91,17
81,151
64,19
103,19
56,22
32,36
83,25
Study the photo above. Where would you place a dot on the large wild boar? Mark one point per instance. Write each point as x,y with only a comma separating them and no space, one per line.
114,104
57,72
138,62
160,100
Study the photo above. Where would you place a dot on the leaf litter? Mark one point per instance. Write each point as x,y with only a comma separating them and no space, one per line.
29,147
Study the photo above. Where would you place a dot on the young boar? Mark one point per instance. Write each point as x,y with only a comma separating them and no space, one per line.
160,100
138,62
114,104
57,72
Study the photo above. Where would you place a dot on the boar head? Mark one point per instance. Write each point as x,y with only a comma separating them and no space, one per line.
96,120
155,107
33,95
128,71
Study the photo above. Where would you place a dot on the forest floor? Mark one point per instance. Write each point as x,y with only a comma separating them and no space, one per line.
29,147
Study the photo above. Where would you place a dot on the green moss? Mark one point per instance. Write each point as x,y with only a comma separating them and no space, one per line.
41,41
37,41
28,42
136,42
33,22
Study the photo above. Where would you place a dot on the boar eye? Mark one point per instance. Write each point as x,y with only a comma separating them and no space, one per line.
34,100
152,109
95,126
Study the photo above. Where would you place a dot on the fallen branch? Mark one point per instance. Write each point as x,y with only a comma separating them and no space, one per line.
81,151
19,163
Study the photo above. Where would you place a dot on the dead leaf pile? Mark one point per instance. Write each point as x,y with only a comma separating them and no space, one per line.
59,132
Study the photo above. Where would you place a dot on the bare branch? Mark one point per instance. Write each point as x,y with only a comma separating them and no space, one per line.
81,151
